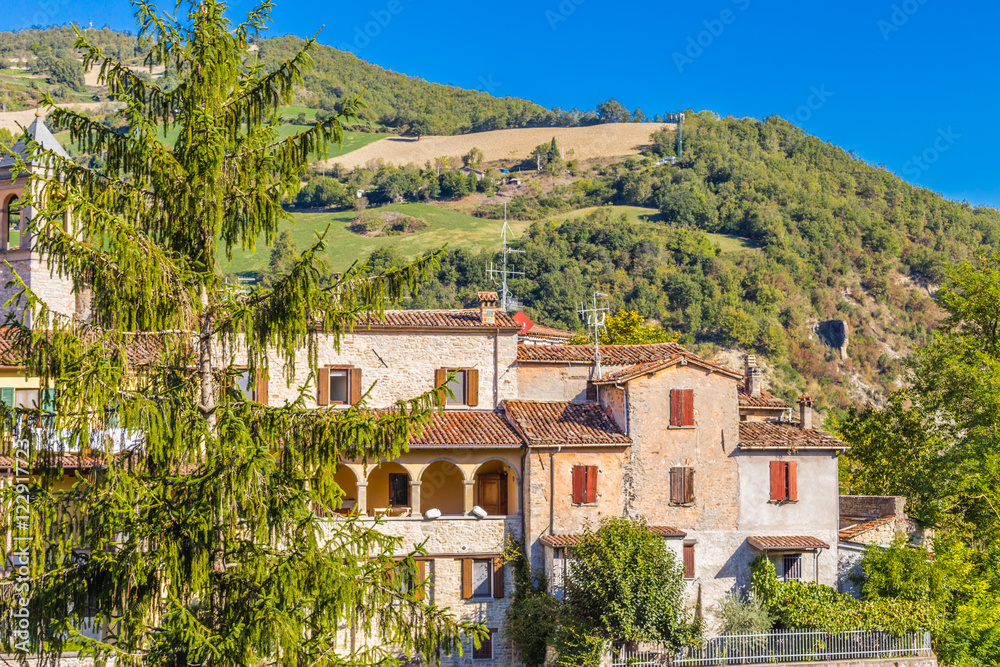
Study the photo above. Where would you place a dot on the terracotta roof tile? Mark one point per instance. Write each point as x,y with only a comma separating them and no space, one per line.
542,331
549,424
571,540
765,400
468,428
438,319
611,355
64,461
851,532
142,348
632,372
772,434
786,542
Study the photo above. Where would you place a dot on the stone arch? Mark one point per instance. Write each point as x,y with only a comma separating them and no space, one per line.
347,480
386,489
509,501
442,487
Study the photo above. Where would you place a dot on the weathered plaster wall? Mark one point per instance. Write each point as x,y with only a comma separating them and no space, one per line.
817,505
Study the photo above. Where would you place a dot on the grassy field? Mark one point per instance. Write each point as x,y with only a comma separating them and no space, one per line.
457,230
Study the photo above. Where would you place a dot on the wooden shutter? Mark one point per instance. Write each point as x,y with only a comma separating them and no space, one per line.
498,583
677,485
421,577
466,578
472,387
777,480
676,409
440,377
591,484
354,384
687,396
323,380
792,481
688,485
579,484
260,392
689,561
7,396
48,399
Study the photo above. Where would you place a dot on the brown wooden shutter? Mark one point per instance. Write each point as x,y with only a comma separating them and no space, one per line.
689,561
579,484
688,401
260,392
676,409
688,485
354,381
421,577
466,578
440,377
591,484
472,387
777,480
323,380
676,485
498,583
793,482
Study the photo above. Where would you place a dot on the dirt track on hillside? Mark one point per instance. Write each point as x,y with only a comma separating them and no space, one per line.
595,141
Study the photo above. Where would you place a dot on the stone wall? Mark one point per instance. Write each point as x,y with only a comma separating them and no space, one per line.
872,506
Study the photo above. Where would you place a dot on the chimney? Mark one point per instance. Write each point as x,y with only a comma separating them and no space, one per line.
488,305
806,411
754,377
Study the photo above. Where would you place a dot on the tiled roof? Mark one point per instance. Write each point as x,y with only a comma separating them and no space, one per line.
64,461
572,540
767,543
611,355
785,435
542,331
141,348
546,424
765,400
438,319
851,532
632,372
468,428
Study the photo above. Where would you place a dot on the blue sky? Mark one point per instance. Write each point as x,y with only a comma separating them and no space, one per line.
911,84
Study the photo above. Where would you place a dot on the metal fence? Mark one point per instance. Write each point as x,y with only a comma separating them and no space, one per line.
778,646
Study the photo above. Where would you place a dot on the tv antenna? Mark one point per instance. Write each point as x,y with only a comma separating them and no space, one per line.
501,274
594,317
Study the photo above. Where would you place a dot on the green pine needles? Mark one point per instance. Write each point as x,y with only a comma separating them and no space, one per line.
195,536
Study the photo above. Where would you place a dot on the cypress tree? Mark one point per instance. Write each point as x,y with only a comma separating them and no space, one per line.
195,536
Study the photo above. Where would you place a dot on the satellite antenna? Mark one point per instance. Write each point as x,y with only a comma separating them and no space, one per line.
594,317
501,274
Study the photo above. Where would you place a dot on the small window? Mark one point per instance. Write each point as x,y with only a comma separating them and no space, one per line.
682,407
482,577
689,560
339,387
14,224
584,484
458,385
791,567
252,391
485,650
463,383
681,485
592,392
26,398
399,489
784,481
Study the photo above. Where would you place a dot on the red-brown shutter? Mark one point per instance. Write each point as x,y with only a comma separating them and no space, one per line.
777,480
421,592
260,393
354,381
472,387
498,583
689,561
579,484
676,409
323,381
591,484
688,485
793,482
688,401
440,377
466,578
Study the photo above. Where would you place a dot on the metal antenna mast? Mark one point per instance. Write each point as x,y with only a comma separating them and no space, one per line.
506,298
594,317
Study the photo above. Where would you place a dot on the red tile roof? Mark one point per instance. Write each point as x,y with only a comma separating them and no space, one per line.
468,428
438,319
765,400
550,424
632,372
785,435
851,532
64,461
572,540
140,348
786,542
611,355
533,330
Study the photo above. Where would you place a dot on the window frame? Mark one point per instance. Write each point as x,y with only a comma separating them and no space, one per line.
28,390
488,563
682,408
354,385
392,488
484,645
470,387
798,561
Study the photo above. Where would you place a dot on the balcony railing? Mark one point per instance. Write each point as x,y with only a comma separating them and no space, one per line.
780,646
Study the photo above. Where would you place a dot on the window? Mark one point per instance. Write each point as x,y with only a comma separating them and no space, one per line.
339,385
584,484
485,650
791,567
591,392
26,398
13,230
689,560
252,391
682,407
482,578
784,481
463,383
399,489
681,485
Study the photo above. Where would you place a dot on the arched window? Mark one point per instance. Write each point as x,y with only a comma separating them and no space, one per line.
13,223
